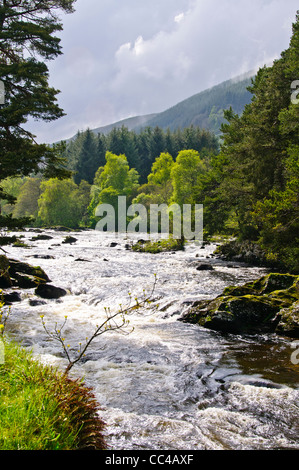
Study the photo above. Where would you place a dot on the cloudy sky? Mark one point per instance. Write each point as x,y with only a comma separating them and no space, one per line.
124,58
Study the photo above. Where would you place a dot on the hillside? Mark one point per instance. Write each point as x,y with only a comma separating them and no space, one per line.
205,109
130,123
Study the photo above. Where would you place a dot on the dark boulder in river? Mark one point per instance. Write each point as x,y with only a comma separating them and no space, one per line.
268,305
47,291
18,274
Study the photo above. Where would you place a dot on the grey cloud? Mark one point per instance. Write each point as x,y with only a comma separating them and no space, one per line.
127,58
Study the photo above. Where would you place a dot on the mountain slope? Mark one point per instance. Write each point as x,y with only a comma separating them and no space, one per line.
205,109
130,123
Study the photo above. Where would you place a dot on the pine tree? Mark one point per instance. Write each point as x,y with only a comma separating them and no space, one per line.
27,41
88,159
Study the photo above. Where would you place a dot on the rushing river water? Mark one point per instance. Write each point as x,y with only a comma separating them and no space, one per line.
167,385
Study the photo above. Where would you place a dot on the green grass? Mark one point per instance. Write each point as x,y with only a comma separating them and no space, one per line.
42,410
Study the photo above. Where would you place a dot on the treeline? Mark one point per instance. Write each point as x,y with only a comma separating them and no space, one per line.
255,178
86,153
103,167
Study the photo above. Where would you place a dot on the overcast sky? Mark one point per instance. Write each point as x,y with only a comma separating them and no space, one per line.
124,58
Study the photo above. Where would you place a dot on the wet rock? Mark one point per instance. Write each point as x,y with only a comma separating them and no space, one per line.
41,237
19,274
8,240
204,267
199,266
43,257
18,267
245,251
47,291
288,324
10,297
268,305
69,240
5,280
36,302
61,228
25,281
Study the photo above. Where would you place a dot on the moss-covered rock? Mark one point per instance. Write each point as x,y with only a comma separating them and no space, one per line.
267,305
18,274
159,246
288,324
5,280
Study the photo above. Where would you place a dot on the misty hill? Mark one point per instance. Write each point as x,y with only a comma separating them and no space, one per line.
130,123
205,109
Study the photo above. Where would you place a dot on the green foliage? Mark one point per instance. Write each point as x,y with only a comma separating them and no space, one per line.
27,201
62,202
254,180
186,176
161,169
141,148
89,159
113,180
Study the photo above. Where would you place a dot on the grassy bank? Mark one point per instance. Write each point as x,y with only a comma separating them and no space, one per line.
42,410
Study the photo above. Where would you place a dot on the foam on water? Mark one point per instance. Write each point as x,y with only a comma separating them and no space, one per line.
166,385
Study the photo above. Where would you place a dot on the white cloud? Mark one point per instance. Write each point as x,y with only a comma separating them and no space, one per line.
179,18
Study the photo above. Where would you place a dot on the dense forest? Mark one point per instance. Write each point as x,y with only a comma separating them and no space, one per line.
248,182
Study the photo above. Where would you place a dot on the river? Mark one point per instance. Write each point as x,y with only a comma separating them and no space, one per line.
166,385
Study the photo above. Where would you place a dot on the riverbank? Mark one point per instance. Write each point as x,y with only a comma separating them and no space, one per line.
252,253
41,409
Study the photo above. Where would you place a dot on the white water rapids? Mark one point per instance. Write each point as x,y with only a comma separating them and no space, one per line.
167,385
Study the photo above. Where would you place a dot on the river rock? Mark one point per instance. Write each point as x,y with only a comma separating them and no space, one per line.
18,267
41,237
47,291
288,324
10,298
19,274
5,280
267,305
69,240
204,267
